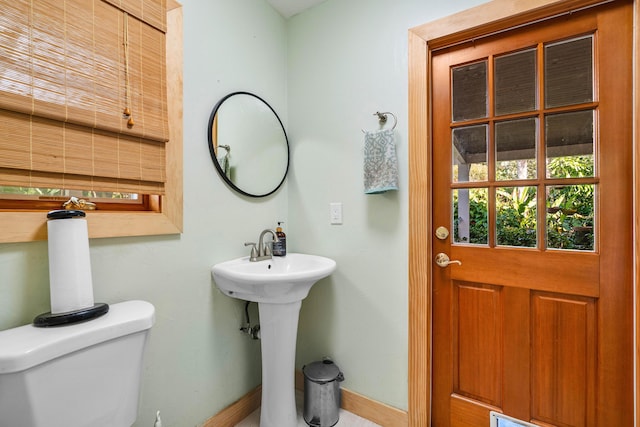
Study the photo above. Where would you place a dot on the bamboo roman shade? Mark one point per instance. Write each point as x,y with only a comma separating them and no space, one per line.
68,71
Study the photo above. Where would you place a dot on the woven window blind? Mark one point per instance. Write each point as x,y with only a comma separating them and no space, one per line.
68,70
153,12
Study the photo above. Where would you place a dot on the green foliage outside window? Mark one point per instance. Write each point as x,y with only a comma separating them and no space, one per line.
56,192
516,216
478,221
569,216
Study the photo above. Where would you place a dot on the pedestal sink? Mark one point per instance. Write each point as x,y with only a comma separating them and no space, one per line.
278,285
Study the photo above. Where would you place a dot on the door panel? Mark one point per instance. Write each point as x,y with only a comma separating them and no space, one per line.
478,326
537,320
563,354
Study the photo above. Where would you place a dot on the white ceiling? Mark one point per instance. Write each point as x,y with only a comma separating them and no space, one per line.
288,8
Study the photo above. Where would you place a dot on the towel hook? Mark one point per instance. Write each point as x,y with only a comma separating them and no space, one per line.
382,118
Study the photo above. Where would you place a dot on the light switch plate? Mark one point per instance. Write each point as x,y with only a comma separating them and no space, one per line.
335,213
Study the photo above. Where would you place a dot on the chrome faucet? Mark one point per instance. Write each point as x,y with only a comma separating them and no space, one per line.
263,251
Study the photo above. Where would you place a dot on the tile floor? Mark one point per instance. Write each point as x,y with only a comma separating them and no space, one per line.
346,419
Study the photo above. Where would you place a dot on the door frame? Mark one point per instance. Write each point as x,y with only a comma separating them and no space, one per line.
487,19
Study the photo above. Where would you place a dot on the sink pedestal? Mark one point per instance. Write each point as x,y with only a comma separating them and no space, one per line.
278,331
278,285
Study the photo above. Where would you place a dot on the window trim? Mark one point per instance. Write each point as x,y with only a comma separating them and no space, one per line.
21,226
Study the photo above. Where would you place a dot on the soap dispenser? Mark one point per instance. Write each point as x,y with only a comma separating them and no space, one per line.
280,247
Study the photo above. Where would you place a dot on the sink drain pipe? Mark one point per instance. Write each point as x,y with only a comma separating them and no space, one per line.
252,331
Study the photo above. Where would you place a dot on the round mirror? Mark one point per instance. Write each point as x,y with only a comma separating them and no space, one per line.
248,144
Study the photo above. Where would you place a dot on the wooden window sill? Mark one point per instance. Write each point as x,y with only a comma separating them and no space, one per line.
31,226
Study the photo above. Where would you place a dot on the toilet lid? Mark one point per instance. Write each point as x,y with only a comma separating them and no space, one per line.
27,346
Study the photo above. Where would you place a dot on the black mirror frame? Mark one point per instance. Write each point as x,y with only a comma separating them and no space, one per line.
212,151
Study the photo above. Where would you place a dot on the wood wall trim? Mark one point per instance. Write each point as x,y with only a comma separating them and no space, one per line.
494,16
372,410
172,203
353,402
419,233
488,18
237,411
636,195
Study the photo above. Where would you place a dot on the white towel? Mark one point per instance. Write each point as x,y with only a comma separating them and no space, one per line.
380,162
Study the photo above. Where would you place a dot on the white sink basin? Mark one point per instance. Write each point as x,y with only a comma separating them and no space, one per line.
278,280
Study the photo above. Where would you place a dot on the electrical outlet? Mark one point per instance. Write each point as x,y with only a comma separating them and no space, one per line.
335,213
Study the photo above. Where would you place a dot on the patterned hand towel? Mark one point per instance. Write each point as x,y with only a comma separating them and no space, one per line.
223,161
380,162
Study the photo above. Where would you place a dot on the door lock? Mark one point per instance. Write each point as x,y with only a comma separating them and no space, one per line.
442,233
443,260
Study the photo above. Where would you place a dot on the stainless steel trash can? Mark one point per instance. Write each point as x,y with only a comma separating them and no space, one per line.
322,393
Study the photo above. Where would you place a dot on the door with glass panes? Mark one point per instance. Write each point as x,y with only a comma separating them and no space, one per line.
532,316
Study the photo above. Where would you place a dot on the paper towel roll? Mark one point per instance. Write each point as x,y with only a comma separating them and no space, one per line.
69,262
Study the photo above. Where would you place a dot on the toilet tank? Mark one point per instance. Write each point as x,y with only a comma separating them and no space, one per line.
81,375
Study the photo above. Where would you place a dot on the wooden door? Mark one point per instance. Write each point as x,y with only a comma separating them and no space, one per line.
532,177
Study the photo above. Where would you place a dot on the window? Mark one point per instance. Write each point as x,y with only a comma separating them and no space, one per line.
148,135
524,148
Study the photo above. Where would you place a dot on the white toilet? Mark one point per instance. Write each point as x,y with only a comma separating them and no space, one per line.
81,375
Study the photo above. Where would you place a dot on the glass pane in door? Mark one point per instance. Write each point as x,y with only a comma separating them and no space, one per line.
469,87
516,149
569,144
515,82
568,67
469,153
570,217
516,219
470,216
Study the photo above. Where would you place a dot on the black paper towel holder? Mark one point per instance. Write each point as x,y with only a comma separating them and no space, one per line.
49,319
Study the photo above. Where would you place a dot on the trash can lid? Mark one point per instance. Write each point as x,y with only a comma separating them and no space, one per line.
322,372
